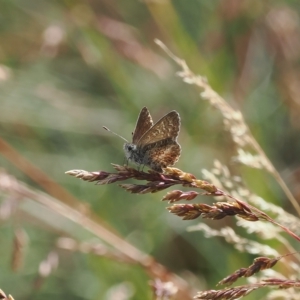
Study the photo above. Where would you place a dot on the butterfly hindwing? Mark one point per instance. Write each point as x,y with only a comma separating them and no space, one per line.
162,154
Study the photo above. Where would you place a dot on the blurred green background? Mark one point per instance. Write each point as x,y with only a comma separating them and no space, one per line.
69,67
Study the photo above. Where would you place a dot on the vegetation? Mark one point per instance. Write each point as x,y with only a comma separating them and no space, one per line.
70,67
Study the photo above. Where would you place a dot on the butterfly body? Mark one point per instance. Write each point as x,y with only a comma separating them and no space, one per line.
155,145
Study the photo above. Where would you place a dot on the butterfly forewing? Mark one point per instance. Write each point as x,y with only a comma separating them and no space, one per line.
143,124
167,127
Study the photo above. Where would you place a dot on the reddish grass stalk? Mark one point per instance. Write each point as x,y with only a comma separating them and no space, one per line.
156,182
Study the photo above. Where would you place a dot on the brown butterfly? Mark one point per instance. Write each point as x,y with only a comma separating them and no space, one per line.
155,145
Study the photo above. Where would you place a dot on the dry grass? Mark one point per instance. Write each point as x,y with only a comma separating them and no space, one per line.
156,182
4,297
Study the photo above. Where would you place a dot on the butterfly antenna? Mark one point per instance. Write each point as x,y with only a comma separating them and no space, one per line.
114,133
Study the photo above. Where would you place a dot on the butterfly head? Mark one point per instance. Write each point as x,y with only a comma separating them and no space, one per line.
129,149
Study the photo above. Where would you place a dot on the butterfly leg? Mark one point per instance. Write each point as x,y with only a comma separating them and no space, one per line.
125,161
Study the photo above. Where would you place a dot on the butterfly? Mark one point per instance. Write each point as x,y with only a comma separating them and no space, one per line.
154,146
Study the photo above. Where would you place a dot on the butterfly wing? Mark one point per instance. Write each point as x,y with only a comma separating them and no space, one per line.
162,154
167,127
143,124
